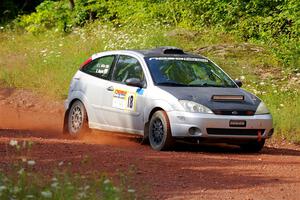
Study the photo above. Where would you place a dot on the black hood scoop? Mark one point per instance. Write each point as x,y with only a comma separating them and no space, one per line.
222,101
234,98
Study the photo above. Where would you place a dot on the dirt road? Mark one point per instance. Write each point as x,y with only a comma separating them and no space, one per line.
188,172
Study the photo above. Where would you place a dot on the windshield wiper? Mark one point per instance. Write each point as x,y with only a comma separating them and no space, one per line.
171,84
207,85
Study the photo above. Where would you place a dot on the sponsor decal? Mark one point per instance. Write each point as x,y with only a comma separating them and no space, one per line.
124,100
140,91
102,69
178,58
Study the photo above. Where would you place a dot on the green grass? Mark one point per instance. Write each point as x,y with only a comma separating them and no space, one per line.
29,185
22,181
46,62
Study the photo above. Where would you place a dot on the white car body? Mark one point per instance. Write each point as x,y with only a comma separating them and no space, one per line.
106,104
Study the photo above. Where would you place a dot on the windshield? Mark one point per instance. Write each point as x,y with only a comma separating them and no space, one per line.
192,72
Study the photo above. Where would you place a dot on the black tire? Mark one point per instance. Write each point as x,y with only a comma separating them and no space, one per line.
254,146
77,121
160,136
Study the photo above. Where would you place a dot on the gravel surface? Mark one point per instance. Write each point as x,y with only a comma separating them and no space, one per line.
188,172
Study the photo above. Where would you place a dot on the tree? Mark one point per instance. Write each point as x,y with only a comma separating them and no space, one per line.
72,4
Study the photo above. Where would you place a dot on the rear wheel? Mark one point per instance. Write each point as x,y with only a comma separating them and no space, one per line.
160,136
77,119
254,146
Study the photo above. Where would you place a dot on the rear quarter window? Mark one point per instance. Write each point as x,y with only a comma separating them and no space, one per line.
99,67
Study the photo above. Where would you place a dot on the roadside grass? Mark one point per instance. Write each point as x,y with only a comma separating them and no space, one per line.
29,185
46,62
22,181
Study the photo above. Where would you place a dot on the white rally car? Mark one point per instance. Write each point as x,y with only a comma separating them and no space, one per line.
164,94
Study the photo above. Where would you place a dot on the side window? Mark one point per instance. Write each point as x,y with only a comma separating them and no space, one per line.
99,67
127,67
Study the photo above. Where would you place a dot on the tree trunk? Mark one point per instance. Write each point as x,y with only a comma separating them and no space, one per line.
72,4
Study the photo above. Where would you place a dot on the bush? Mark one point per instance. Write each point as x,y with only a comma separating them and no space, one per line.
275,22
48,15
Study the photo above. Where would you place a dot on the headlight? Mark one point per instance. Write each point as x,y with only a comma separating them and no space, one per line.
262,109
191,106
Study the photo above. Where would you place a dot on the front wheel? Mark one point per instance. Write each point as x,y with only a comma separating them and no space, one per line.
77,119
254,146
160,136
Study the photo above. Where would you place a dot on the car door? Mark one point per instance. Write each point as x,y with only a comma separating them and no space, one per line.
94,80
123,103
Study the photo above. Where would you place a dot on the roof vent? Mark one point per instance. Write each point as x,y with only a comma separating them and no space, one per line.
170,50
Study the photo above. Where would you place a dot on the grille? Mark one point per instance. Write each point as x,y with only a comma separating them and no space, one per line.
234,112
224,131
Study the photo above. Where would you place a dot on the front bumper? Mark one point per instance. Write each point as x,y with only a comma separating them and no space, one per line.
198,125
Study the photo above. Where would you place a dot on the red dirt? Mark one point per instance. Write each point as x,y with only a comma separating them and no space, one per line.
189,172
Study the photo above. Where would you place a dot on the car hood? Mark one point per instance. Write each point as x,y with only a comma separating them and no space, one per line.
204,96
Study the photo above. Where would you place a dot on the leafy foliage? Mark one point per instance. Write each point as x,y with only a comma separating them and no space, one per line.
251,19
275,22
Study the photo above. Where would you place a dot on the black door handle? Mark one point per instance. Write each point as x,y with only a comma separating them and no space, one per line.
110,88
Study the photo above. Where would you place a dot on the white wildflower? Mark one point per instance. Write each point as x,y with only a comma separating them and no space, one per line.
54,185
242,78
131,190
60,163
106,181
262,83
29,196
2,187
1,27
54,179
21,171
16,189
31,162
13,143
46,194
82,195
60,45
281,105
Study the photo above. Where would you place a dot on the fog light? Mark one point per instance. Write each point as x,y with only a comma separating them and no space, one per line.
271,132
194,131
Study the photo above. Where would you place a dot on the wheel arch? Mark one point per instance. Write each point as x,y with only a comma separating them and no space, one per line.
153,111
78,95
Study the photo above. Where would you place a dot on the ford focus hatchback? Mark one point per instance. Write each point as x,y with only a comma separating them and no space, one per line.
164,95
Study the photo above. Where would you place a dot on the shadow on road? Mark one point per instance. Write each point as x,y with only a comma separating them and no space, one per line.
229,149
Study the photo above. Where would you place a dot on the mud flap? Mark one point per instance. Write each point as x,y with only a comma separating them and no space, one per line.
65,125
145,139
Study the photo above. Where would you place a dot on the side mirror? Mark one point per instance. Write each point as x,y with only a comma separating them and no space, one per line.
136,82
239,83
